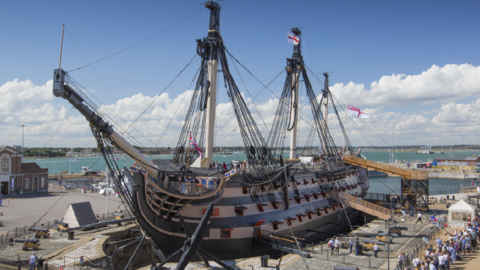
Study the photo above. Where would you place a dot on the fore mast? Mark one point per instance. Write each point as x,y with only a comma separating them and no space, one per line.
212,51
293,67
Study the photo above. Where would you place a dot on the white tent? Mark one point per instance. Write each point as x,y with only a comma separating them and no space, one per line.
461,212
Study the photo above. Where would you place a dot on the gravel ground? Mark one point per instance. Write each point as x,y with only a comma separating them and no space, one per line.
323,260
47,246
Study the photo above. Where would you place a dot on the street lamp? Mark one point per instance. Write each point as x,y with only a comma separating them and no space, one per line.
234,143
393,150
23,129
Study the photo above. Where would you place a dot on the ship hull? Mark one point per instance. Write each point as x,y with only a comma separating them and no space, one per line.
167,234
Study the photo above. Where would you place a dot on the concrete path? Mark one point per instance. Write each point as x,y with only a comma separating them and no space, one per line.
24,210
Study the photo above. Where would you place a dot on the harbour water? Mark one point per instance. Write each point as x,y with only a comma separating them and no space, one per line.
377,184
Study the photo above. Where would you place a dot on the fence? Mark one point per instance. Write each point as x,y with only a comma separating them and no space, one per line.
324,253
418,250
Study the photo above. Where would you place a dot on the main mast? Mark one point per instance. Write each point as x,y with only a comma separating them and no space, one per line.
297,53
213,37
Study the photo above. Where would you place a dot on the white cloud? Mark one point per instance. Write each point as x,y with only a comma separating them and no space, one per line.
24,102
437,84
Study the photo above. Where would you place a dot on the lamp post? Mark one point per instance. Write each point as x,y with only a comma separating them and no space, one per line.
234,143
393,150
23,137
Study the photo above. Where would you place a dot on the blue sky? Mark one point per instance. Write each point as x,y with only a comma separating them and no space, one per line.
360,41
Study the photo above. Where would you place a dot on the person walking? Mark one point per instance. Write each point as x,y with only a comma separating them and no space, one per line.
401,260
351,245
357,247
331,244
441,261
375,250
40,262
32,262
419,218
416,262
337,245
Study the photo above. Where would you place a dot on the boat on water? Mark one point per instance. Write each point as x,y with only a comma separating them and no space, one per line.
265,196
425,150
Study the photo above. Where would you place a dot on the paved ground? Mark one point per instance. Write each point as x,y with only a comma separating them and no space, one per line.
24,210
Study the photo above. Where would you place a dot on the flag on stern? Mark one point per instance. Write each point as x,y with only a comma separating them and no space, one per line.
192,141
72,159
292,38
356,112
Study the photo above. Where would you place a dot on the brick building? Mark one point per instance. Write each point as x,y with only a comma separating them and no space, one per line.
16,176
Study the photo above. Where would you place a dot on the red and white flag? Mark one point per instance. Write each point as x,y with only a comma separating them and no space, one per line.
292,38
356,112
72,159
192,141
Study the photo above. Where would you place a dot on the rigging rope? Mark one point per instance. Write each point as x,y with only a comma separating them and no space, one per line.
57,127
138,43
155,99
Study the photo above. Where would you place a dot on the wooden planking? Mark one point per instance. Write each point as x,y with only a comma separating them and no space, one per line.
364,206
405,174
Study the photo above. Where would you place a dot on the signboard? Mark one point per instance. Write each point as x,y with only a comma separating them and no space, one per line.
424,239
403,212
13,184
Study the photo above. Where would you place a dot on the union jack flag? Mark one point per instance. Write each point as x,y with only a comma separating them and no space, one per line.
192,141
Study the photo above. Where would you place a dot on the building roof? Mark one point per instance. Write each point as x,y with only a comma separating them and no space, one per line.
10,149
441,158
30,166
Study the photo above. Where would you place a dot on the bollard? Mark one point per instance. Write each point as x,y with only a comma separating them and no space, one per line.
71,235
264,260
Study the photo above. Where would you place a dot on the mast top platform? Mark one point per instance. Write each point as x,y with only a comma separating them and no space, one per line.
296,31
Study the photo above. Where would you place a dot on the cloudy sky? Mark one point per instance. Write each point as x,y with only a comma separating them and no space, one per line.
414,66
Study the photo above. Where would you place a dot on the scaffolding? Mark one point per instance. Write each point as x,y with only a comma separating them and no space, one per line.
414,184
